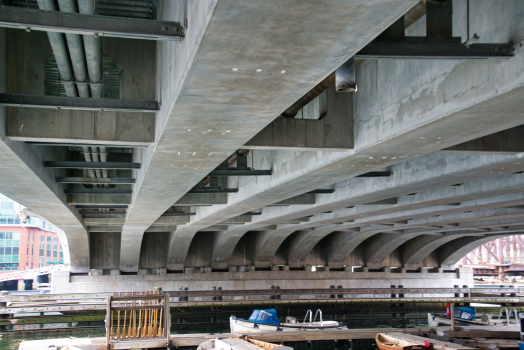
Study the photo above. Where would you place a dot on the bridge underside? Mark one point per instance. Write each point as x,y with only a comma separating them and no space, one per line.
254,163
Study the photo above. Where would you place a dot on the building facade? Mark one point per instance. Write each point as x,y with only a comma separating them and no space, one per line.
28,245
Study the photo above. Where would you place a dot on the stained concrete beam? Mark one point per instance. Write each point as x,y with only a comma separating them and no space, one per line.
332,132
90,127
104,228
220,37
98,199
397,122
303,199
171,220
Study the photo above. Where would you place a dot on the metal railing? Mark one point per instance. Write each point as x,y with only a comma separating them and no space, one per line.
26,274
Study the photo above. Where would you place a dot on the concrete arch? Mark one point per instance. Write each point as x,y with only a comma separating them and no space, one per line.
224,245
268,243
416,250
383,244
450,253
345,245
304,243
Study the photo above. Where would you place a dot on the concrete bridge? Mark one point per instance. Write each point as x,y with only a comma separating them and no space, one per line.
231,140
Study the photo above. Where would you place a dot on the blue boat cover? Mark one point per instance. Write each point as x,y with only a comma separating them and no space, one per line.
465,313
265,316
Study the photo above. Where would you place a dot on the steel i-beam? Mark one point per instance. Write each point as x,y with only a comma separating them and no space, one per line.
91,165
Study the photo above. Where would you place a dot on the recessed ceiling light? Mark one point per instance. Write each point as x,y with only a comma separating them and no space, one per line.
235,69
259,70
227,130
188,129
282,71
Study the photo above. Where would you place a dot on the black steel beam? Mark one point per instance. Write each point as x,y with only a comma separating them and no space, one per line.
56,144
240,172
102,206
213,190
252,213
177,213
376,174
78,103
98,191
454,51
93,180
91,165
331,190
103,216
54,21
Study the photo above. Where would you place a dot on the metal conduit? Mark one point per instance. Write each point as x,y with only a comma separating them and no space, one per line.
103,158
60,52
76,51
87,156
95,156
93,50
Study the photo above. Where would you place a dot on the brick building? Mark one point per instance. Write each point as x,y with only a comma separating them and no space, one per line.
26,245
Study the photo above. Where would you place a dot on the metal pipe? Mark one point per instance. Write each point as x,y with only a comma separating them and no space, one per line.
95,156
93,48
76,51
103,158
87,156
60,52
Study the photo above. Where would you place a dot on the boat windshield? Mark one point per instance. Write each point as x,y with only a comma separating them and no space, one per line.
265,316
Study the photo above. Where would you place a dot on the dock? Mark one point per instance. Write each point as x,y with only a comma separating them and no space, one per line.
506,336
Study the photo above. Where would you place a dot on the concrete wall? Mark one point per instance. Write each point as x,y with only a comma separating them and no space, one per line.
64,283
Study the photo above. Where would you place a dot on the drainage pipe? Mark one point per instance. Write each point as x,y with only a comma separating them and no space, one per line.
93,50
95,156
103,158
76,51
60,52
87,157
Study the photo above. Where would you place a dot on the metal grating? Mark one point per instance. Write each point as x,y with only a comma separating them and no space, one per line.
144,9
111,78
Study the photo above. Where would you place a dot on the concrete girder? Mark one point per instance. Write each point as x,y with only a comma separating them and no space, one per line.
98,199
170,220
377,251
88,127
103,221
372,107
197,199
503,142
442,111
506,184
253,106
104,228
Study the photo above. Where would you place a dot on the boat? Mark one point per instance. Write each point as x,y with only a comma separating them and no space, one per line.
213,344
267,321
464,316
387,342
239,344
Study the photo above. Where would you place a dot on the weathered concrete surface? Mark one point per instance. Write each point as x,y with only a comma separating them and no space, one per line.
64,283
25,180
307,39
506,142
400,114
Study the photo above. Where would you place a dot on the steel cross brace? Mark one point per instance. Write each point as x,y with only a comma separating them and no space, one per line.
55,21
78,103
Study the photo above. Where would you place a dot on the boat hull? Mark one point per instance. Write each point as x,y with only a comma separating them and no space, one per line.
385,342
243,326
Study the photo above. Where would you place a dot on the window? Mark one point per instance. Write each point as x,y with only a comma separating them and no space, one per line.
55,248
41,252
48,247
9,250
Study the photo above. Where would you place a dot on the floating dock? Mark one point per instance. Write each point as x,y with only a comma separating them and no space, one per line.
506,336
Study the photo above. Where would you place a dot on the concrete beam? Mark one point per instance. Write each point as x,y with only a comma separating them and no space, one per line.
196,199
90,127
241,101
397,114
98,199
332,132
503,142
104,228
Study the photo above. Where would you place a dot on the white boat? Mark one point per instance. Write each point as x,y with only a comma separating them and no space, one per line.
214,344
267,321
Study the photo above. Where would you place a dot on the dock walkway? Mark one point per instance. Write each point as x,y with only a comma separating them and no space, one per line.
510,334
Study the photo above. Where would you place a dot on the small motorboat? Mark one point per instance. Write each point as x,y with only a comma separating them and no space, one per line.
387,342
267,321
464,316
213,344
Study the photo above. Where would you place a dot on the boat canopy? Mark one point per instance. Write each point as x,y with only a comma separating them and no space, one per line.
465,313
265,316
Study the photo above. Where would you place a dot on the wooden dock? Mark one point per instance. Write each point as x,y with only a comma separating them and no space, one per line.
506,335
